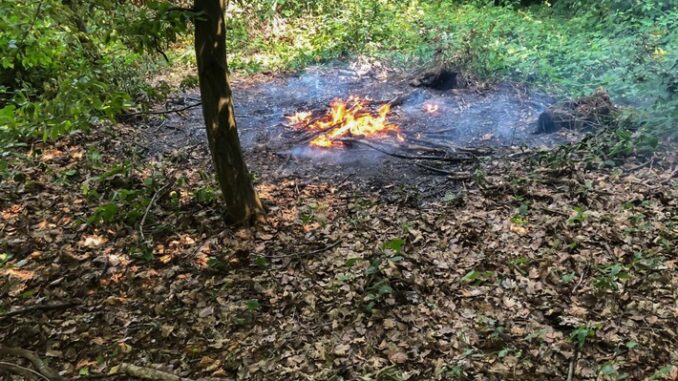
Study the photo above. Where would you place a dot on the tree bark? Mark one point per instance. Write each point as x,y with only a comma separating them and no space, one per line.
242,203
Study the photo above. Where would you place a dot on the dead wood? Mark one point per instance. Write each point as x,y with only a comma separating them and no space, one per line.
310,253
38,307
584,113
313,134
40,366
155,196
171,111
154,374
573,363
450,174
398,100
477,151
455,159
20,370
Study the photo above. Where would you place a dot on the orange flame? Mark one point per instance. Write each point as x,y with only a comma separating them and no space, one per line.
345,120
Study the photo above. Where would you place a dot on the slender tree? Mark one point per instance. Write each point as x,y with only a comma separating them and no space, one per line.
242,202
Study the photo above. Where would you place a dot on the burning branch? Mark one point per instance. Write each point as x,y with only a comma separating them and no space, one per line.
346,119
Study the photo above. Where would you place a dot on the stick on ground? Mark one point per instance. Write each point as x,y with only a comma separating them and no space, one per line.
22,371
42,368
38,307
154,374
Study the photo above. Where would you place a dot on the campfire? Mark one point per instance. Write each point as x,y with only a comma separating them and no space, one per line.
353,118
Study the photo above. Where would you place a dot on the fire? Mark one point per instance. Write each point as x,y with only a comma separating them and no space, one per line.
347,119
431,108
300,117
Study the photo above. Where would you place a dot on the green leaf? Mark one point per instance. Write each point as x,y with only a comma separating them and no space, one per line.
7,115
471,276
216,264
351,262
103,213
252,305
4,258
261,261
384,289
394,245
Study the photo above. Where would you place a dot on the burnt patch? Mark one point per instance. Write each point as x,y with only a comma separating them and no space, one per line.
439,78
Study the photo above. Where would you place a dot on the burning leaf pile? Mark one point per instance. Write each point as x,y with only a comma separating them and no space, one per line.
345,120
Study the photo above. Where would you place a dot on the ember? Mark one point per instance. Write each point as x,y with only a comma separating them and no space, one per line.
431,108
347,119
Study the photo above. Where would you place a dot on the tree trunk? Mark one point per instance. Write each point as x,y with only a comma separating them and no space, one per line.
242,203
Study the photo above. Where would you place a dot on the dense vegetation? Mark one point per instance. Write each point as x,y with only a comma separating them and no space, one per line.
69,65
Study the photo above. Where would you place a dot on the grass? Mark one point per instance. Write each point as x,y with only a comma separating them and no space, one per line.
633,56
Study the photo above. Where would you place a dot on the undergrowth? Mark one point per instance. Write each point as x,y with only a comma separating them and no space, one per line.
69,65
630,48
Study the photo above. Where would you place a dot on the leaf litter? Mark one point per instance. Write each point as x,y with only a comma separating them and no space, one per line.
516,274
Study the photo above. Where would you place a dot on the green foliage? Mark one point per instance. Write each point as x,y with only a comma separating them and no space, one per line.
630,47
66,64
477,277
583,333
610,276
379,274
69,64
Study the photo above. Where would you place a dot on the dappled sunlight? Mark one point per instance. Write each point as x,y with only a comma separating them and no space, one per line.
11,212
18,274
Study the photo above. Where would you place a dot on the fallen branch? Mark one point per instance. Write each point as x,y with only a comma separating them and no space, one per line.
311,135
451,175
408,157
20,370
38,307
194,105
153,374
573,363
314,252
42,368
398,100
149,206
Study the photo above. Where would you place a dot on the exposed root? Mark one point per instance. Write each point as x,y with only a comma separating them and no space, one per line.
20,370
153,374
45,371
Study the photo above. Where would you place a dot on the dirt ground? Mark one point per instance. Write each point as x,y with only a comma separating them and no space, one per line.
367,267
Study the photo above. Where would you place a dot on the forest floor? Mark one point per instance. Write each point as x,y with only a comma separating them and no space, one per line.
537,266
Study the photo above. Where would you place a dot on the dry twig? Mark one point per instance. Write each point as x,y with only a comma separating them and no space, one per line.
153,374
450,174
455,159
150,205
22,371
314,252
42,368
37,307
573,363
175,110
